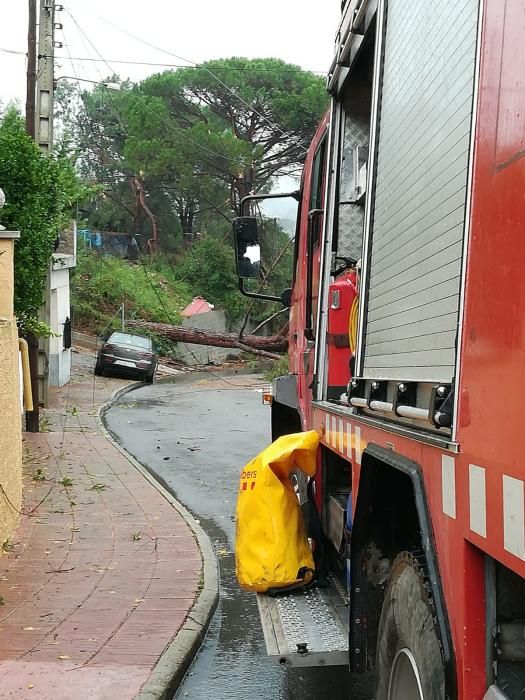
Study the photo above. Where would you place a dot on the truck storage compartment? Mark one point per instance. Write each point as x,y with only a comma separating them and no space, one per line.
420,193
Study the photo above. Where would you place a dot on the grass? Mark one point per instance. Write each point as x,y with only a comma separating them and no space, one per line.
45,424
102,283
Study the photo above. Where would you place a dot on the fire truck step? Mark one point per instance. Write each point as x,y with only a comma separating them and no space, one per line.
307,627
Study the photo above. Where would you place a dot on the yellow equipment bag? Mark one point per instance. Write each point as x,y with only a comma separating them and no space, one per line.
271,549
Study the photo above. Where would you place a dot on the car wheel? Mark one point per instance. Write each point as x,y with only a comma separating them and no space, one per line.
98,370
409,664
148,378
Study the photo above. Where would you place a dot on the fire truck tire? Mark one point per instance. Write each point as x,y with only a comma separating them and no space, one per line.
409,664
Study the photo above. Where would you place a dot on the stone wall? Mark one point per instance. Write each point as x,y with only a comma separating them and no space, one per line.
202,354
10,408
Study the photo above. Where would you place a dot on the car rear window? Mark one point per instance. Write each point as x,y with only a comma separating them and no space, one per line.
137,341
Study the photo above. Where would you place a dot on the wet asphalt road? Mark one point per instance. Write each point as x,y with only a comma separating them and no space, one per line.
195,433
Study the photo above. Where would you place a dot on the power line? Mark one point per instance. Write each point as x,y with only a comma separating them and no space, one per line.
125,61
180,132
18,53
196,65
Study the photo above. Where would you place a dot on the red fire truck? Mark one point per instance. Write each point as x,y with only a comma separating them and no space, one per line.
407,353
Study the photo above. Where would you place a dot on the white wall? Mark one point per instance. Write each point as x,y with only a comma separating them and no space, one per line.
59,359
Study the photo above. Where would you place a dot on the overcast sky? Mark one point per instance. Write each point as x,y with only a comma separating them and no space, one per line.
298,31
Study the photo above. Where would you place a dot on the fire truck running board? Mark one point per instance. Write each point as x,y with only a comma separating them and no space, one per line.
307,627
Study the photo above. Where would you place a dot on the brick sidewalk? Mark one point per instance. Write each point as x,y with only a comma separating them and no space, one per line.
102,574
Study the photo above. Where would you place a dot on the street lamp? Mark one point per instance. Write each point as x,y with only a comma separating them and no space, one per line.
108,85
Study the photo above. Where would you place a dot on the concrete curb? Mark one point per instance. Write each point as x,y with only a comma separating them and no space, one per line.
176,658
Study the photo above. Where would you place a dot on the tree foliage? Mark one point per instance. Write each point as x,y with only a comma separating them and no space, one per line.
194,141
40,193
209,269
179,151
252,118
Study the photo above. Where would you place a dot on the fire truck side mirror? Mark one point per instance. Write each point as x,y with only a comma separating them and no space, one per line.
247,247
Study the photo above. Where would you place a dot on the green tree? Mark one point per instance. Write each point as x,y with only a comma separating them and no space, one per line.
192,143
209,269
40,193
253,119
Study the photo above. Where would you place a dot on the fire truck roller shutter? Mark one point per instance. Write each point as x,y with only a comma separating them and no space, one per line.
418,212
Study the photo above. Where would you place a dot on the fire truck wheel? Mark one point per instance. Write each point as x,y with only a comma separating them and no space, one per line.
408,660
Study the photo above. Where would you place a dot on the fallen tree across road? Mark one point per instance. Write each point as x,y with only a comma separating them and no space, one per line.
265,346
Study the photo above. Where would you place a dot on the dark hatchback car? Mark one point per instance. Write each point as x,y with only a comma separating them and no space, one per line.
127,353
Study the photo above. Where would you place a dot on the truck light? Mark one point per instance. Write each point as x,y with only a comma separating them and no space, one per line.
267,398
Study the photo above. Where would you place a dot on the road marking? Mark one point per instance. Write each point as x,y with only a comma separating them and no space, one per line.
478,500
513,516
448,485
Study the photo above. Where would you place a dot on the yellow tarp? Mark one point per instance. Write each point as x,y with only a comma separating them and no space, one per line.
271,545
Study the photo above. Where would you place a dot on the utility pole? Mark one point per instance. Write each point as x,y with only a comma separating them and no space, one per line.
44,139
39,125
44,86
32,417
31,70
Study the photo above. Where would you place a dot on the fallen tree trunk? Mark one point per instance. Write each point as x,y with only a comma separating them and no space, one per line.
265,346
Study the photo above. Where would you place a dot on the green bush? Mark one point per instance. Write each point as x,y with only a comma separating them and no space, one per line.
208,268
278,369
40,191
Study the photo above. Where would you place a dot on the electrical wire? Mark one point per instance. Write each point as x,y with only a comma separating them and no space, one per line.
29,512
18,53
125,61
180,132
195,65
